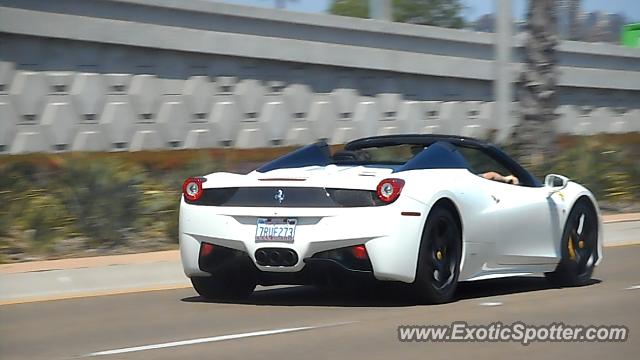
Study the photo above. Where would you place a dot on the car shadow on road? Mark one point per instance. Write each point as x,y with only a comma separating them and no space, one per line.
388,295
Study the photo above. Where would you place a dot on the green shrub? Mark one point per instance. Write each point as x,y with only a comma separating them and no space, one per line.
610,169
45,219
103,196
158,208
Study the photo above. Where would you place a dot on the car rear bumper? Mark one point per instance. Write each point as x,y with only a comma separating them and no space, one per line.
317,271
391,239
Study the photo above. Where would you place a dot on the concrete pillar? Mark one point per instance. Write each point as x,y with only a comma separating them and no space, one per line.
503,84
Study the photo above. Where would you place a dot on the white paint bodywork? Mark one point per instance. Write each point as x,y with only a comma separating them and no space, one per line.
508,230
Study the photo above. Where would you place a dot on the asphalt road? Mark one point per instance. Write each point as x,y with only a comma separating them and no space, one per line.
340,326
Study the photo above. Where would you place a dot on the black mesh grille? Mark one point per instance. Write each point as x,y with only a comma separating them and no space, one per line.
354,198
287,197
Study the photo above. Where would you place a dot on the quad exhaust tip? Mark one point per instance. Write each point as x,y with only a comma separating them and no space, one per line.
276,257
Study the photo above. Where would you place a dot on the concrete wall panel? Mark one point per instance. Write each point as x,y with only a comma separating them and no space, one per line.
322,117
198,94
225,118
432,122
172,120
117,84
90,138
7,70
298,98
250,97
59,81
145,91
8,123
200,139
89,93
117,120
275,119
29,139
145,140
59,121
28,91
632,120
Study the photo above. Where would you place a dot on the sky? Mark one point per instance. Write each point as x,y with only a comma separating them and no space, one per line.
474,8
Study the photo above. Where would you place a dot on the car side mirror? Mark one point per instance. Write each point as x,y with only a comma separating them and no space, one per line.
556,182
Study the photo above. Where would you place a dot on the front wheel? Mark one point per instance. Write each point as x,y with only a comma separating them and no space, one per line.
439,258
223,288
579,247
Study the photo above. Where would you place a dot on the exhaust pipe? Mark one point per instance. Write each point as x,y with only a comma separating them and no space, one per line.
276,257
290,258
261,257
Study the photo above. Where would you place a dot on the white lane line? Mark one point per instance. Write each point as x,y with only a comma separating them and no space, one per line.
495,303
634,287
209,339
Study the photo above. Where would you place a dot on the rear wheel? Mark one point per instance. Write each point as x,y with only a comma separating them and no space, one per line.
579,247
439,258
223,288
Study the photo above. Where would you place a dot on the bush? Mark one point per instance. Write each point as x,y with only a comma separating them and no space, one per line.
610,170
98,200
45,219
103,196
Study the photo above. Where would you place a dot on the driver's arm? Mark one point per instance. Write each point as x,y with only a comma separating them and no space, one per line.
492,175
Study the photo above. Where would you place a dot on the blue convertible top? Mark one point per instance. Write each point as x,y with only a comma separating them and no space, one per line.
439,155
440,152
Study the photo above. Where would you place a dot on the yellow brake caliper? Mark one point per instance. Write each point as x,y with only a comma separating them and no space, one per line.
572,251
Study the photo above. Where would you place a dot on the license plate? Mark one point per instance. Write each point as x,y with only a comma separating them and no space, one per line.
276,229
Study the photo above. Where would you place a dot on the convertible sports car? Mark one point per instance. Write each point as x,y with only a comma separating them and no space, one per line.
413,209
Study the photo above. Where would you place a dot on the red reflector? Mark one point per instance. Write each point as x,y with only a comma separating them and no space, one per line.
360,252
205,249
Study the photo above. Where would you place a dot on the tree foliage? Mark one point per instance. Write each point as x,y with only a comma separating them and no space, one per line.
534,136
444,13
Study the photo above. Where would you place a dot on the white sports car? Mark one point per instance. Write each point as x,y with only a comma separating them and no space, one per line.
413,209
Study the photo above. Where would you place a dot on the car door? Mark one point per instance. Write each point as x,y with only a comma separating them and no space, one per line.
522,224
522,220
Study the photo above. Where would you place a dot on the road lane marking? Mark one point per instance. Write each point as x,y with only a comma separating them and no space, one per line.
210,339
489,303
623,243
89,294
629,217
634,287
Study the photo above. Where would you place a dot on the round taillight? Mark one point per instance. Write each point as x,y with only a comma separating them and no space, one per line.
389,189
359,252
192,188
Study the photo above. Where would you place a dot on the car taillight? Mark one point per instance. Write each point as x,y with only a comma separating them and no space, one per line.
359,252
192,188
206,249
389,189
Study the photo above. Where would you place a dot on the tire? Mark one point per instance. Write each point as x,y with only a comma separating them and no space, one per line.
439,258
579,247
223,288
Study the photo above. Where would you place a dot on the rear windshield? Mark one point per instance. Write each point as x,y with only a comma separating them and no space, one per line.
393,155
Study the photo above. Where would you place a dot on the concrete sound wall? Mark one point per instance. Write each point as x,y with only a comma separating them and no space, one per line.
143,74
64,111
